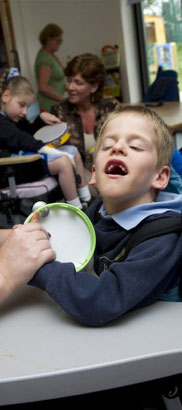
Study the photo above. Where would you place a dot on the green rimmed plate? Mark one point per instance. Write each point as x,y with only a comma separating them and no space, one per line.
72,233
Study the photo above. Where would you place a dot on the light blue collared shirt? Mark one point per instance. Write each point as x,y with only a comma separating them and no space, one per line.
131,217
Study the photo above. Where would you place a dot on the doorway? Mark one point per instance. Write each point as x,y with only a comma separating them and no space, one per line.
8,50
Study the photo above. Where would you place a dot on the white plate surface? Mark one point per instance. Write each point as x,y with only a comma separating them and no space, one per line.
51,132
72,233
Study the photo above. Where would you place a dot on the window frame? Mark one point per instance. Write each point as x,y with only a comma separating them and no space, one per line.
142,52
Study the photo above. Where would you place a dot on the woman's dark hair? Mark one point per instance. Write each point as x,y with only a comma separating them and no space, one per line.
91,68
50,31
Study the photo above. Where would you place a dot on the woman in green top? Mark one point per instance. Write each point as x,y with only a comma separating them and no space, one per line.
49,69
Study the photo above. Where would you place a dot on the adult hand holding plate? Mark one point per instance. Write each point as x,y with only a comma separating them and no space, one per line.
72,233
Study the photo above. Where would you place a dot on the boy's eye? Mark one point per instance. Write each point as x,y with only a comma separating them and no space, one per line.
105,148
107,144
134,147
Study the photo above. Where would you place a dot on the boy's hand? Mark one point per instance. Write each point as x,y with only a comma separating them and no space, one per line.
49,118
22,254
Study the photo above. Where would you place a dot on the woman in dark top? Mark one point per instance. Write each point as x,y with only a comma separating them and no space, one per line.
85,109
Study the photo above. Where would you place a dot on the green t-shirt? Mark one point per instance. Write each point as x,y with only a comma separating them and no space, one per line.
57,78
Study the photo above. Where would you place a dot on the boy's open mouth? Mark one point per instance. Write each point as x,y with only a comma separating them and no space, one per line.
116,167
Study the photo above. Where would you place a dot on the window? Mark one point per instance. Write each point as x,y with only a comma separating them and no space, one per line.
162,37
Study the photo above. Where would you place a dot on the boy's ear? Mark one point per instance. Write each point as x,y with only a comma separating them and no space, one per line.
162,178
93,178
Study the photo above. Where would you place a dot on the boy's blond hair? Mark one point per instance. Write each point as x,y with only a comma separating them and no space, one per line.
18,85
165,144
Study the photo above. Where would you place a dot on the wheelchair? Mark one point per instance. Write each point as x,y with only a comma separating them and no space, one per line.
20,190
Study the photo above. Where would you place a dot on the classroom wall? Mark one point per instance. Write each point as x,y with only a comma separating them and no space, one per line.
88,25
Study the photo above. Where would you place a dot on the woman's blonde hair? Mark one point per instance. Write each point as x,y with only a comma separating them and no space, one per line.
165,143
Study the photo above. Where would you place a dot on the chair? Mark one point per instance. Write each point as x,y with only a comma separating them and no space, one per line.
164,88
16,196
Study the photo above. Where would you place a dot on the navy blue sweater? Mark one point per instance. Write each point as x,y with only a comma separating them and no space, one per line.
19,136
119,287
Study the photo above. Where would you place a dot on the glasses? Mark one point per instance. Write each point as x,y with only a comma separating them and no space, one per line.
59,40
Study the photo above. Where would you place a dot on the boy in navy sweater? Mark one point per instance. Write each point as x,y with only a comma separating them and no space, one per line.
132,167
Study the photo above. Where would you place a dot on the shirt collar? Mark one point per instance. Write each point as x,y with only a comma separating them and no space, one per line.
131,217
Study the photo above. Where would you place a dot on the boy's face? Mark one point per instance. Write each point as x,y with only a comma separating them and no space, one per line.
15,107
125,169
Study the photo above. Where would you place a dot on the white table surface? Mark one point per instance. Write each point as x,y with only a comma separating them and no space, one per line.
45,354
